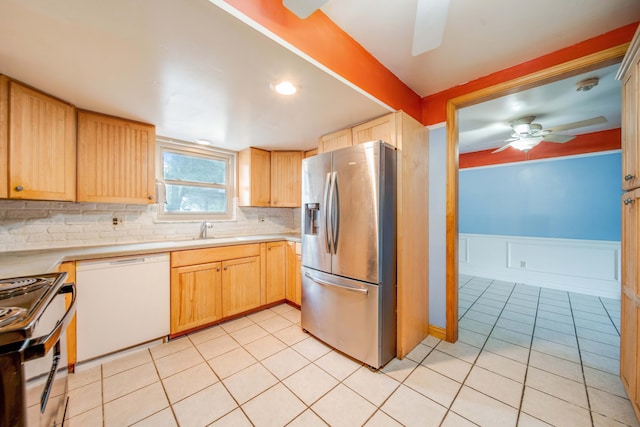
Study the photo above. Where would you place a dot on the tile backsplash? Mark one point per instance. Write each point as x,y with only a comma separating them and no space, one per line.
28,225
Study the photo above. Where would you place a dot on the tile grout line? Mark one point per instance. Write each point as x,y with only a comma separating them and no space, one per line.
481,349
584,378
609,314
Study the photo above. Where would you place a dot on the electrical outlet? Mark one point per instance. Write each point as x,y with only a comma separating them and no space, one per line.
523,264
260,218
117,221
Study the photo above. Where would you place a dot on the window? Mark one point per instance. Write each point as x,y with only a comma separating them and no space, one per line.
196,182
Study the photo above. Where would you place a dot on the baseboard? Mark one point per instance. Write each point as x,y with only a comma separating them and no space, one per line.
437,332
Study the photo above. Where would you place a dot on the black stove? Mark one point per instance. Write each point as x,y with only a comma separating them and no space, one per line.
34,314
22,300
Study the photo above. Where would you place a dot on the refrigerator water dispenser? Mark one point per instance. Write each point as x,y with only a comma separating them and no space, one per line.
311,213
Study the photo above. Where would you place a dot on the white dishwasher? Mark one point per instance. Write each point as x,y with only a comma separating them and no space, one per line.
121,302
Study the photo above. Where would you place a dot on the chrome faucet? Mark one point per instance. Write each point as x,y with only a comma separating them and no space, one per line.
203,230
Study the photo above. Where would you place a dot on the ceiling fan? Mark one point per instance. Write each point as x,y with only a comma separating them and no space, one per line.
428,29
527,134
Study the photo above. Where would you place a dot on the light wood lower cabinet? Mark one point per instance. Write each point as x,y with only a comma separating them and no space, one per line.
630,298
196,296
275,271
294,273
210,284
240,285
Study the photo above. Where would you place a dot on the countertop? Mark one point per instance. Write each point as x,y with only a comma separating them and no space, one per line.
26,263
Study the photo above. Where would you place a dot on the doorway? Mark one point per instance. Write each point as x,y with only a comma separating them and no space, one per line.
571,68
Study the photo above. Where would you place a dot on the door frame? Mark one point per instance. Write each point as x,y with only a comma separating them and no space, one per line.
567,69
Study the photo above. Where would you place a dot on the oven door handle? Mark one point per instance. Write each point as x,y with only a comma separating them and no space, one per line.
40,346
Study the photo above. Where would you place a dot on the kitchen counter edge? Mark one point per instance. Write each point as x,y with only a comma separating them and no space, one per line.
41,261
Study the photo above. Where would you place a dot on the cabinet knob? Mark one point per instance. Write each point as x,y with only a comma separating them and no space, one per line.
218,269
628,201
150,197
628,177
19,188
225,269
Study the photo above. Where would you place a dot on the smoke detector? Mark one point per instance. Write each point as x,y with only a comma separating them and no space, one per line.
587,85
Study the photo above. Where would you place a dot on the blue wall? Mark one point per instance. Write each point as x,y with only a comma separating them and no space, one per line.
573,198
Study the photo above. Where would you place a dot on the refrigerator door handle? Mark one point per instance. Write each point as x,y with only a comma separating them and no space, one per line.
330,213
345,287
327,225
335,206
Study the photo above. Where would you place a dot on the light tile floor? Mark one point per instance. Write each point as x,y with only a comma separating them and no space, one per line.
526,357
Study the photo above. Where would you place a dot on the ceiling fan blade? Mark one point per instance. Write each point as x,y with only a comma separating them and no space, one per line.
559,139
580,124
428,31
504,147
303,8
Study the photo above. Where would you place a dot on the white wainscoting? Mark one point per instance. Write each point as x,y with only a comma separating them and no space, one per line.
585,266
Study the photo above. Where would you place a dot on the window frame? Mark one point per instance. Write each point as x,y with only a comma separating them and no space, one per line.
209,152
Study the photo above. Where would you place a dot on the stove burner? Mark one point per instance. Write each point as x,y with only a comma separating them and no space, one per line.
13,287
8,314
17,283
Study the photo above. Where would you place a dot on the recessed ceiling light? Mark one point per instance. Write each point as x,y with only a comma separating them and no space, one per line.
284,87
204,141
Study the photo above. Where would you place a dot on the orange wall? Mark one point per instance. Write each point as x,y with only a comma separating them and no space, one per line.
582,144
324,41
434,106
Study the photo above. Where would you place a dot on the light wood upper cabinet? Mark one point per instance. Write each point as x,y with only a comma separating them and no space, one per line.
196,296
630,124
275,271
311,153
240,285
333,141
286,178
383,128
38,143
115,160
254,169
269,178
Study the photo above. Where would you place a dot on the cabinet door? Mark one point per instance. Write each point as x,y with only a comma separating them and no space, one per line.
42,146
196,296
240,285
254,166
383,128
629,315
115,160
294,273
276,272
286,178
298,281
335,140
630,119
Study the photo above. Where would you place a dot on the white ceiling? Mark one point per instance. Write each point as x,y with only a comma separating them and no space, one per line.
195,71
487,125
481,36
187,66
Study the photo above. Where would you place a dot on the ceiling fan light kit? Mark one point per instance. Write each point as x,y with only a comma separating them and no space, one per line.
526,144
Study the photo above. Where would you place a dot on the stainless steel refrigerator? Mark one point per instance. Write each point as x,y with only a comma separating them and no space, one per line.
349,250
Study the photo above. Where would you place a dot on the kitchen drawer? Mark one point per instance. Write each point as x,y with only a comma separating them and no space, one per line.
206,255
